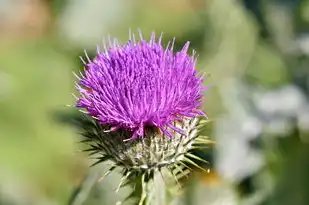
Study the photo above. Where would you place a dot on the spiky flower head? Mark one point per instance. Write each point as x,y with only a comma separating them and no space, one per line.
141,84
143,108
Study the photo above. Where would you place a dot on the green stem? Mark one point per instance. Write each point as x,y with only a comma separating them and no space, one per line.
153,191
144,191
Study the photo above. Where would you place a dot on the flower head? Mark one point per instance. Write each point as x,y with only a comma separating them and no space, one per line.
142,90
141,84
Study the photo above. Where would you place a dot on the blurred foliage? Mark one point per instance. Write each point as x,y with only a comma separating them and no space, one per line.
251,48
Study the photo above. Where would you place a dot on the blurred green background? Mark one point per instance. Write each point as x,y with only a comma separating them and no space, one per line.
257,52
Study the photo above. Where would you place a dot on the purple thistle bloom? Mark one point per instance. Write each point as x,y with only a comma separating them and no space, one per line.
141,84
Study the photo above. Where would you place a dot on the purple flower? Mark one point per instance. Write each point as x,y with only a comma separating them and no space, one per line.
141,84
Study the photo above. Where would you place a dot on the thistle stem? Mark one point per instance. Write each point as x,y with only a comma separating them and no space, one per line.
144,191
153,191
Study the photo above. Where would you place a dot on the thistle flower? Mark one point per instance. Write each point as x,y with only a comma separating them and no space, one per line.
143,109
141,84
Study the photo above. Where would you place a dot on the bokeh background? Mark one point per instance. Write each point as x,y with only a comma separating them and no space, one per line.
257,55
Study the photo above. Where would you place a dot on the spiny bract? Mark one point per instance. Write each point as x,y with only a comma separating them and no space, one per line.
144,157
141,84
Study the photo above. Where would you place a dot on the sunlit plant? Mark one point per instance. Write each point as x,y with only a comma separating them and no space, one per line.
143,103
